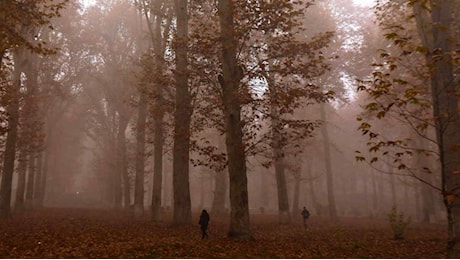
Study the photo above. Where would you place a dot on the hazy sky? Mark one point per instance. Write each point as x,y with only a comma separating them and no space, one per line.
364,2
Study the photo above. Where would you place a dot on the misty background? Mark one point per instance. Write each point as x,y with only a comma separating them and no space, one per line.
79,128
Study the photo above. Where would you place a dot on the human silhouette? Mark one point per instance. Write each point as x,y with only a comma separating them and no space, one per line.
204,221
305,214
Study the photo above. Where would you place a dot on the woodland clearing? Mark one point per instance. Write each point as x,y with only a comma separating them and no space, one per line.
84,233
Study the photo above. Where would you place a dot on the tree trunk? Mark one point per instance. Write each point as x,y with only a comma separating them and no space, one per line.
229,81
126,182
29,202
140,156
123,161
434,30
283,201
21,186
10,145
158,168
295,203
158,138
38,195
312,190
182,119
327,155
445,111
426,192
49,149
278,156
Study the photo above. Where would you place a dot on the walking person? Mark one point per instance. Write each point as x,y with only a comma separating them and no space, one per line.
204,221
305,214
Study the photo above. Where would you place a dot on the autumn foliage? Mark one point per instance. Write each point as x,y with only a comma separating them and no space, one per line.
76,233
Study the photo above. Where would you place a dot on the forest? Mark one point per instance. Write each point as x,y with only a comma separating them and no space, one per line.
121,120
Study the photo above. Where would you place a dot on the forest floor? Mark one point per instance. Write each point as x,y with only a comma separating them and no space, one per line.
77,233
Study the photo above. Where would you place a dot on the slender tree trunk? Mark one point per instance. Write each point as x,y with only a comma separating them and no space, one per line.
158,168
21,186
283,201
295,203
46,163
140,156
327,155
38,195
278,155
311,188
182,119
117,183
126,185
29,202
123,161
158,138
10,146
229,81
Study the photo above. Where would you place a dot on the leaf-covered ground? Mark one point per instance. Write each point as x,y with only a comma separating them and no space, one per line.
71,233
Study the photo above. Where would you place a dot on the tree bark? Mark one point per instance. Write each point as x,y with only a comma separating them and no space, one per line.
182,119
229,81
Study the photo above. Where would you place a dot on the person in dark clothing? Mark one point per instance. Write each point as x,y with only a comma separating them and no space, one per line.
204,221
305,214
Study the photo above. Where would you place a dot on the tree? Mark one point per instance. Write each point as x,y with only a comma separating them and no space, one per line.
424,108
17,36
182,117
259,44
159,16
10,149
328,163
229,81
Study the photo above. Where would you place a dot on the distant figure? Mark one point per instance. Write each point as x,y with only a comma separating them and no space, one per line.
204,220
305,214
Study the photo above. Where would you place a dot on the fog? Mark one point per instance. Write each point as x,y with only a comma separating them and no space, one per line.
100,116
